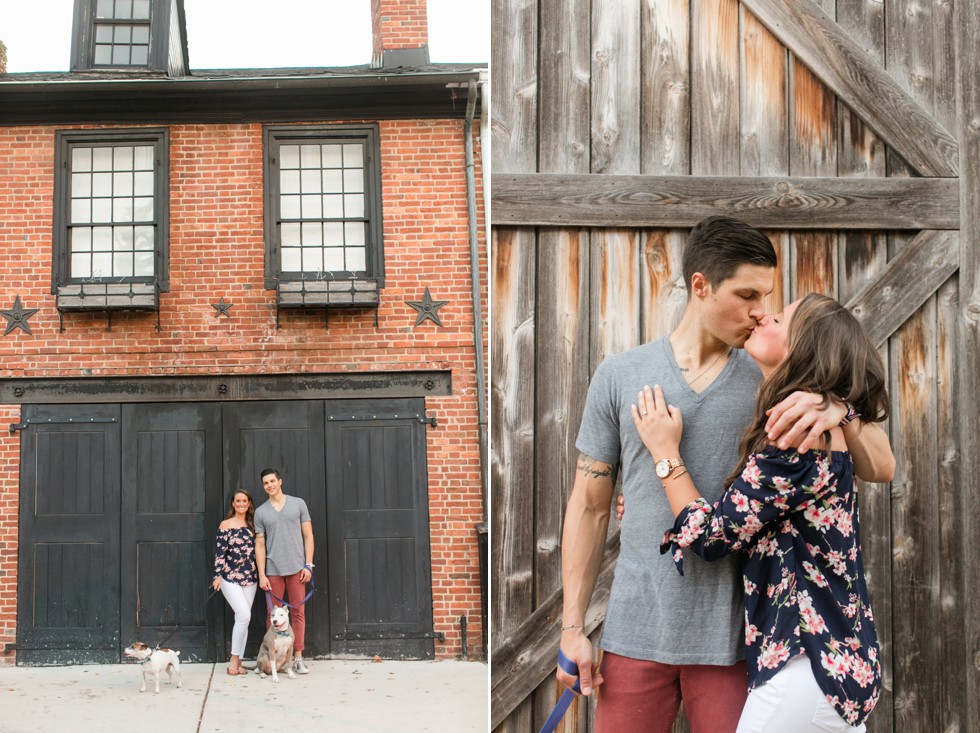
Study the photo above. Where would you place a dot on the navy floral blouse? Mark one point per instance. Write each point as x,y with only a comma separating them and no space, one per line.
234,556
795,518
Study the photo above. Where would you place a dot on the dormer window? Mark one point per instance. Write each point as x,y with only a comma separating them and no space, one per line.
129,36
122,33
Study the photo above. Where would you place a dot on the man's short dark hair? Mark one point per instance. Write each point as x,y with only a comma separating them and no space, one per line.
267,471
719,244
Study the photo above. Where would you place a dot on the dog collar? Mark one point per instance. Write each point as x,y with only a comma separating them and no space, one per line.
281,633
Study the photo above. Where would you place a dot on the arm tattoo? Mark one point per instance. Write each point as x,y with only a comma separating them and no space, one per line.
596,468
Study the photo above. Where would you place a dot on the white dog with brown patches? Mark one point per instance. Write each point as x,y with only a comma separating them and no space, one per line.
155,661
276,652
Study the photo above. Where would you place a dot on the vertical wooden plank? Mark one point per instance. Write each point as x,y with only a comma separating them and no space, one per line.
663,295
953,701
665,142
861,257
514,78
912,53
512,409
562,377
615,82
665,105
967,71
561,368
813,152
764,116
764,128
514,127
714,87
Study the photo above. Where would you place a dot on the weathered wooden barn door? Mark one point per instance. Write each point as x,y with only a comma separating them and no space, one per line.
378,528
68,576
171,501
287,436
846,129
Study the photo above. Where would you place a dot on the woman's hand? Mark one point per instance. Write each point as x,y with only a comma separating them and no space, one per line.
659,424
216,584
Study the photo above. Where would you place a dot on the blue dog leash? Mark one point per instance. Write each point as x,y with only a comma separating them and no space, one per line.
268,601
567,696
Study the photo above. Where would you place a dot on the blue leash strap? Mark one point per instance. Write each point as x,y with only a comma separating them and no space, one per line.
566,697
268,601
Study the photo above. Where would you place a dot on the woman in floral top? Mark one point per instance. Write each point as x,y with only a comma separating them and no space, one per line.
794,516
234,570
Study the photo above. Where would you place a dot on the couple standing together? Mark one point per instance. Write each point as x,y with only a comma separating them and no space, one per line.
775,634
274,542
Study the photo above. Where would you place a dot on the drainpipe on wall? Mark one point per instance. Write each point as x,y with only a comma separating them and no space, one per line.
481,389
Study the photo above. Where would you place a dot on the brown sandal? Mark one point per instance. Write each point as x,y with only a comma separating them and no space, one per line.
236,672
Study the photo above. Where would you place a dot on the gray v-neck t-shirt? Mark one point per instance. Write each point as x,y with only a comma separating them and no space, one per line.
654,613
284,548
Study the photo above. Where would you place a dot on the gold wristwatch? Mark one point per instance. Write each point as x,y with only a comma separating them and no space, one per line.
664,466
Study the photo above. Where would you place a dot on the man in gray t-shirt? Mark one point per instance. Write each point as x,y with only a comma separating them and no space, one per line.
284,554
668,637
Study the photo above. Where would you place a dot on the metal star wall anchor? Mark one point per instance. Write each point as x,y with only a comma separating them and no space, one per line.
17,317
427,308
221,307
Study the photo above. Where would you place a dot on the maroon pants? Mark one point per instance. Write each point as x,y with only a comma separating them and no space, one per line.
293,590
644,696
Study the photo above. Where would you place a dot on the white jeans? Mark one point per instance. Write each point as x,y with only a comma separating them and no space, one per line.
240,599
791,702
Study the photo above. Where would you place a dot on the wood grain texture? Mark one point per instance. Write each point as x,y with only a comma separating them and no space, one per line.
615,79
967,71
764,119
514,143
561,367
514,72
714,87
512,438
683,201
565,131
849,72
862,256
665,97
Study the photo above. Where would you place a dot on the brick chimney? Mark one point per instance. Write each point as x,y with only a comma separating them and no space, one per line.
400,31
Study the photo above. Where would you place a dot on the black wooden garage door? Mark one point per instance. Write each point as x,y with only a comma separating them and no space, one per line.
119,505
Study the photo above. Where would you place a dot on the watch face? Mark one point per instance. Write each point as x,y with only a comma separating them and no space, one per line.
663,468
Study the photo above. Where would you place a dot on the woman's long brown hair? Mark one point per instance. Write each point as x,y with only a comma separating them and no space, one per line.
829,354
249,513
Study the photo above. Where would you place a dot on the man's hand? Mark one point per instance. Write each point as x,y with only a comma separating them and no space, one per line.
801,415
578,648
305,575
264,583
620,507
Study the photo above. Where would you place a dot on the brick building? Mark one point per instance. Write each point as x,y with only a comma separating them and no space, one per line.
204,273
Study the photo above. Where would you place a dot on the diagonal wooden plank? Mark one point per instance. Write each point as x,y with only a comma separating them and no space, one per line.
861,83
593,200
529,655
906,283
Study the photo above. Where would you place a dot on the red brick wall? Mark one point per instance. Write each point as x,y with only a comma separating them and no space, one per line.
216,250
397,24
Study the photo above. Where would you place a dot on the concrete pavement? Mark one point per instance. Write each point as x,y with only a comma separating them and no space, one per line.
337,695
